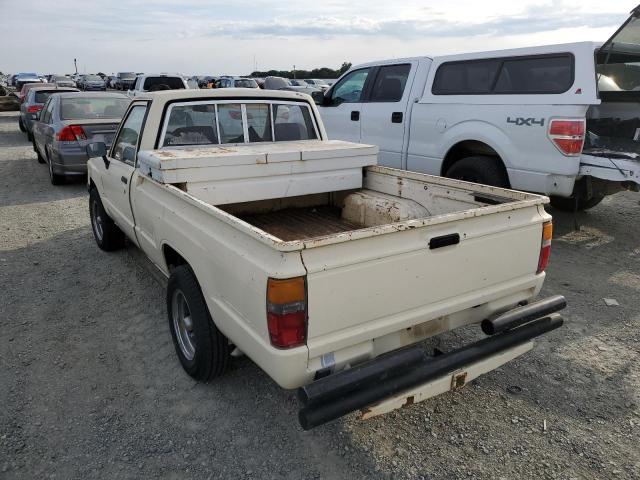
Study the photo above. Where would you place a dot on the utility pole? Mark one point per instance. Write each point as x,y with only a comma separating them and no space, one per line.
75,64
294,72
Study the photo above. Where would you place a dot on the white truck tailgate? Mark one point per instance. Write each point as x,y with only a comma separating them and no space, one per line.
372,286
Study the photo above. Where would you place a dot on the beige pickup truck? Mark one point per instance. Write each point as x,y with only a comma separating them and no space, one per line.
323,268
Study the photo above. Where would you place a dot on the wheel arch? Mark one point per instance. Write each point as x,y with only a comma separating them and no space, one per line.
470,148
173,258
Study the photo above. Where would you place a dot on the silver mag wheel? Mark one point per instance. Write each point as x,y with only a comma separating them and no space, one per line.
183,324
96,220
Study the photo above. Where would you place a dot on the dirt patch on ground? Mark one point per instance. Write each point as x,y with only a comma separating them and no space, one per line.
90,386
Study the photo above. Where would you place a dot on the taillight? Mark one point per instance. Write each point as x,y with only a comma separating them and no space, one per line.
34,108
545,247
568,135
287,312
71,133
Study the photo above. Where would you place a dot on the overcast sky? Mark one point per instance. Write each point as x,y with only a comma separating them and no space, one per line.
224,37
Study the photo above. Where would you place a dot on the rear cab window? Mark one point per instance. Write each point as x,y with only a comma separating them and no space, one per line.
232,122
152,84
539,74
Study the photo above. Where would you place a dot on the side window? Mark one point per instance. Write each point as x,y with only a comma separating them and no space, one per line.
46,115
258,122
550,74
465,78
544,74
292,122
230,123
126,144
191,125
350,88
390,83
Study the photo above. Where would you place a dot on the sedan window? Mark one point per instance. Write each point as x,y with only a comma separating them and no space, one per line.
80,108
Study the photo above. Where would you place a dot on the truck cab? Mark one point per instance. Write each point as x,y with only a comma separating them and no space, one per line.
537,119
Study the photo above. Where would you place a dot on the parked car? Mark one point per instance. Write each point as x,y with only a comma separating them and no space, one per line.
530,118
22,78
280,83
34,100
92,83
62,81
22,93
70,121
156,82
236,82
303,262
321,84
126,80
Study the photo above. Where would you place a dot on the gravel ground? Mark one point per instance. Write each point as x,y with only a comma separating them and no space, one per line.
90,386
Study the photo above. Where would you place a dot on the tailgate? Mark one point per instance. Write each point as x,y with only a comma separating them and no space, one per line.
368,287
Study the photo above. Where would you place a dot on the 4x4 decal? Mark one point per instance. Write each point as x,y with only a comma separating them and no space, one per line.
525,122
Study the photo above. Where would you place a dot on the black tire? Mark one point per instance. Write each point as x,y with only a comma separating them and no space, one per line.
40,157
29,136
21,125
568,204
106,233
210,354
479,169
56,179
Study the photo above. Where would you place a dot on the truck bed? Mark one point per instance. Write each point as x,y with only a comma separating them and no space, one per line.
302,223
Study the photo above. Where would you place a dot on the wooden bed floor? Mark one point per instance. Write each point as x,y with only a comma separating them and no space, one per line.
301,223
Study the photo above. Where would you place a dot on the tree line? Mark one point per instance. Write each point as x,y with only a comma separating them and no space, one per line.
323,72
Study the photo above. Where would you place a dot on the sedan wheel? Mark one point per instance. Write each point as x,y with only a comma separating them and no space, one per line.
55,178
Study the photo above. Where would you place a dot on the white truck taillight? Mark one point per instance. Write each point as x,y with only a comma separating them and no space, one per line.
287,312
545,247
568,135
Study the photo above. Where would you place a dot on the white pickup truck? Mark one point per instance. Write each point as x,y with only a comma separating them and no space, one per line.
323,268
561,120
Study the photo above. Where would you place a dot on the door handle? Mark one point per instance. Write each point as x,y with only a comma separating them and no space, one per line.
124,180
355,115
396,117
444,241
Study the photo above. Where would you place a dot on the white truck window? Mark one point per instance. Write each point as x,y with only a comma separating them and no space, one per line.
191,125
389,83
258,122
292,122
350,88
230,122
129,133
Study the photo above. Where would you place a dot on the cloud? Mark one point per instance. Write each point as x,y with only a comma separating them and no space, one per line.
532,20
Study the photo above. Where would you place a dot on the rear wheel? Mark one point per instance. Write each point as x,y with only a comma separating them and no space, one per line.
21,125
107,234
56,179
202,349
479,169
571,204
35,149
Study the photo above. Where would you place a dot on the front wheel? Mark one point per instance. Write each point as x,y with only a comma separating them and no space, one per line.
479,169
573,204
107,234
202,349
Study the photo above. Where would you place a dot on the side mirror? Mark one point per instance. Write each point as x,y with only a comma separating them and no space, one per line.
318,97
129,154
98,149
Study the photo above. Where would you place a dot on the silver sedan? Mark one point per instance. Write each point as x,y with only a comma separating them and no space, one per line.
69,122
